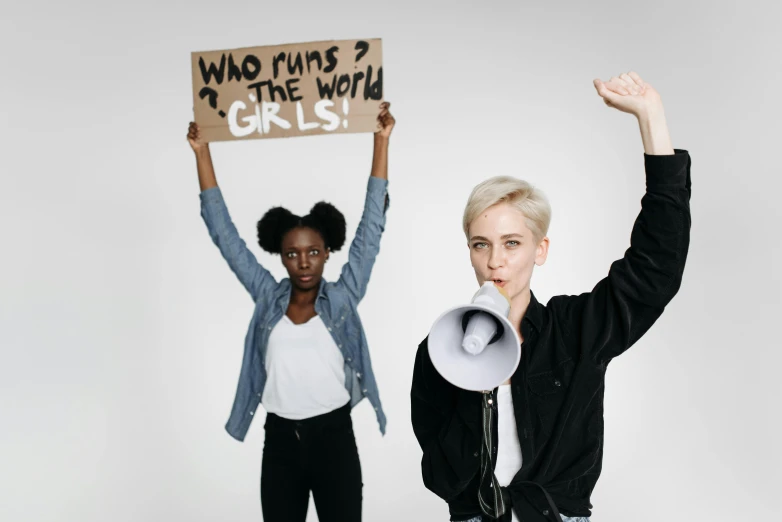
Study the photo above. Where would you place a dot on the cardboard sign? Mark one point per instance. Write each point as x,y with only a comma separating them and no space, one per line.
288,90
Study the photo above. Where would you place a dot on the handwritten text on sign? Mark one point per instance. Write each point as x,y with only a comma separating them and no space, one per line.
288,90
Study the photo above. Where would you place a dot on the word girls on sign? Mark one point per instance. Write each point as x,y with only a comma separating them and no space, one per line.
288,90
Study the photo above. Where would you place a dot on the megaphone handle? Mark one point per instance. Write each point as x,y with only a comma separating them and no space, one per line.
500,329
493,507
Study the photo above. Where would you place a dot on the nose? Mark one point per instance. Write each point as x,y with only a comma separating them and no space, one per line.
304,262
496,258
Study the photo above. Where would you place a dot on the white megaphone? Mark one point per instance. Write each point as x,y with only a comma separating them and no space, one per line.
474,346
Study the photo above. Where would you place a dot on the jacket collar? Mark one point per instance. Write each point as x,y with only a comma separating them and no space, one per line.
534,313
285,289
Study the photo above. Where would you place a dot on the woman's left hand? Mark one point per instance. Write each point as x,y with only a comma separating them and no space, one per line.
629,93
385,121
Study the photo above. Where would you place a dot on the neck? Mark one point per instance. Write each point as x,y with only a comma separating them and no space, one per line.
518,307
304,297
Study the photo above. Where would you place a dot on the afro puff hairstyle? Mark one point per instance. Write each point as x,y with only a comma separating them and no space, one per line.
324,218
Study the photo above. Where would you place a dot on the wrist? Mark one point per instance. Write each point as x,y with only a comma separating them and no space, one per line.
202,152
654,132
651,115
381,140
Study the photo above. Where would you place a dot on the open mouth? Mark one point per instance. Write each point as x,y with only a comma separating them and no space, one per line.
499,282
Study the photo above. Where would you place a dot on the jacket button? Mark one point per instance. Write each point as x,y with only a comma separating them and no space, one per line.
545,512
557,383
475,454
358,375
365,391
252,412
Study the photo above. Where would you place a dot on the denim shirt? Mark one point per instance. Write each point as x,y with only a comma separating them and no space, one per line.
336,304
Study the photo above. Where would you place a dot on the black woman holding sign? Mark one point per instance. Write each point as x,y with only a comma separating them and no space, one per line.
305,358
539,455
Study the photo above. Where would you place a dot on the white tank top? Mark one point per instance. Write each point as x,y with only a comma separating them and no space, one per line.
508,447
305,370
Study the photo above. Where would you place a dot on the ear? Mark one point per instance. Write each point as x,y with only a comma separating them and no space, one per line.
541,252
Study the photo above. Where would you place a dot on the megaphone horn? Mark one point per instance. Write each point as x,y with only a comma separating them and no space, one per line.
474,346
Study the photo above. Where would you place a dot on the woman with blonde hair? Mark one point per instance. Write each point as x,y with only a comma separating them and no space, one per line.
540,455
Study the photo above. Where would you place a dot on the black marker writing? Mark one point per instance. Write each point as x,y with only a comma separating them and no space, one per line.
273,90
331,59
340,85
208,73
314,56
362,47
212,94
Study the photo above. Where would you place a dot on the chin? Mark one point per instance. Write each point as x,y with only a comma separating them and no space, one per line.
312,284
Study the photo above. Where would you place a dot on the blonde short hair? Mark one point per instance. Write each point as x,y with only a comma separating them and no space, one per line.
531,201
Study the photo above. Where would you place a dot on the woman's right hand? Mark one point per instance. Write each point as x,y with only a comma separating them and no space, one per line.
194,138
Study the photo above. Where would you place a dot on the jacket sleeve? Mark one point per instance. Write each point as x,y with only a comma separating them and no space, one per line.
366,244
447,423
626,303
242,262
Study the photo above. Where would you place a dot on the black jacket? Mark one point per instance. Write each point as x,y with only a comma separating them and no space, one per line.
558,387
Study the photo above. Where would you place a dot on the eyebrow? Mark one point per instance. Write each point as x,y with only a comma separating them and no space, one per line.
293,248
506,236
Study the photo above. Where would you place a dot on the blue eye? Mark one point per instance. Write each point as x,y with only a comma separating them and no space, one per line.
513,241
478,245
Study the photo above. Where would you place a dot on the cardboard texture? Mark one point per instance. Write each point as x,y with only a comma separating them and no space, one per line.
288,90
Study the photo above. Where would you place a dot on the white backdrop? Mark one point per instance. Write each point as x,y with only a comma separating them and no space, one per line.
122,328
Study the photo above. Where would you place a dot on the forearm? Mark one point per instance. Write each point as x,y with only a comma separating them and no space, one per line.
654,131
447,424
642,283
380,157
652,267
451,447
206,171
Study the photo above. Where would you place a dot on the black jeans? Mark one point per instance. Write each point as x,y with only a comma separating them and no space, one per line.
318,454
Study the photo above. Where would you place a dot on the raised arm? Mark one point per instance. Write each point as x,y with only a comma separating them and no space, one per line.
366,243
206,171
624,305
214,212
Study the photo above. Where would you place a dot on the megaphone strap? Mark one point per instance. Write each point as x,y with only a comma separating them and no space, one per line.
496,501
494,506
